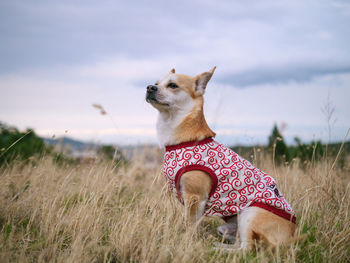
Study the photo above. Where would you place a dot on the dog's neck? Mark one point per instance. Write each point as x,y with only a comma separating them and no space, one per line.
183,125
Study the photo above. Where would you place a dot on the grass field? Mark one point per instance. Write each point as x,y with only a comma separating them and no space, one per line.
102,212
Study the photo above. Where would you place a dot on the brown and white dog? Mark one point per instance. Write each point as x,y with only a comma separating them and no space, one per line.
179,100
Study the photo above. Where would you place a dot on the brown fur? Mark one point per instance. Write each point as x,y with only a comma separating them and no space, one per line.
186,83
194,127
196,186
269,229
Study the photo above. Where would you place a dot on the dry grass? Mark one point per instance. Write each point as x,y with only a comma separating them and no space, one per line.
102,213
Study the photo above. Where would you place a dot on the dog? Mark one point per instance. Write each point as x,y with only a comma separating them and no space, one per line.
209,178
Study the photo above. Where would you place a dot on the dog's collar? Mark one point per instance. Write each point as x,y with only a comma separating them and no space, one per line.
169,148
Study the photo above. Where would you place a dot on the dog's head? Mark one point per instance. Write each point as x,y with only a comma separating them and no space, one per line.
177,91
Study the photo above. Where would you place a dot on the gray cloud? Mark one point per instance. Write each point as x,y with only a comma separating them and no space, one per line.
41,34
283,74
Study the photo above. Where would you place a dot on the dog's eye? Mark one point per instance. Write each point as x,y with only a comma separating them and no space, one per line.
156,83
172,85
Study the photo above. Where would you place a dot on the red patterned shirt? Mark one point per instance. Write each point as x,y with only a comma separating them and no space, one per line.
236,183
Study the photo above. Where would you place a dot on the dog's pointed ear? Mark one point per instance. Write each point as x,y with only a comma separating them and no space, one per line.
202,81
172,71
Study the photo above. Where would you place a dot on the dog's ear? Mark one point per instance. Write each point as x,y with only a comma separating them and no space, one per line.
172,71
202,81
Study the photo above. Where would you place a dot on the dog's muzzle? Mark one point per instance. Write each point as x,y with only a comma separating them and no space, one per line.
151,93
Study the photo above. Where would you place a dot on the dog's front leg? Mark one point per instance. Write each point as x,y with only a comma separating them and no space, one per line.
195,188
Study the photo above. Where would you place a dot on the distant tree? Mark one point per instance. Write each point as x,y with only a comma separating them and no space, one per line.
277,146
110,152
313,151
16,144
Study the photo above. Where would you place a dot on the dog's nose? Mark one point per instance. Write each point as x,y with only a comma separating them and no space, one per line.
151,88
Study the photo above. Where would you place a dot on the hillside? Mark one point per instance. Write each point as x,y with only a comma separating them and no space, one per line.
73,143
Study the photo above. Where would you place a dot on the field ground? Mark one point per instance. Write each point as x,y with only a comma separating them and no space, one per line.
102,212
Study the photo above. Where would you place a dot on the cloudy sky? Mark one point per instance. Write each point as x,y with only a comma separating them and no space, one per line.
280,62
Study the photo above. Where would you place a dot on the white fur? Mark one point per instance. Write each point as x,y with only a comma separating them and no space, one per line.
179,106
166,80
168,121
172,78
244,220
202,207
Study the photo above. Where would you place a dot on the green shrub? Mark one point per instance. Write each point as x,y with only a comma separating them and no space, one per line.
16,144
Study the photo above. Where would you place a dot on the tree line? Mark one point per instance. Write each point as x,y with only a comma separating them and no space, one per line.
15,144
306,153
27,145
